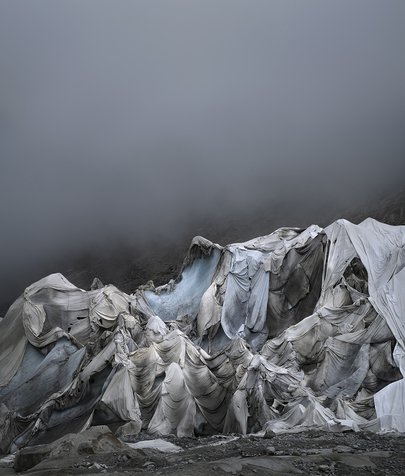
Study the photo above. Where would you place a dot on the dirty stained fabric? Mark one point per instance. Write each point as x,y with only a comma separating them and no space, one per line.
294,330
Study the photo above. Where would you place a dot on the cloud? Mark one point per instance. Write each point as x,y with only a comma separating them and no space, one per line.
128,119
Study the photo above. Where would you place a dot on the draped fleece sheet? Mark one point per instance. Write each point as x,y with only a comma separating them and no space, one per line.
294,330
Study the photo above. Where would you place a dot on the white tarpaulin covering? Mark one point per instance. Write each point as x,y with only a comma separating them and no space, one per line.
298,329
381,249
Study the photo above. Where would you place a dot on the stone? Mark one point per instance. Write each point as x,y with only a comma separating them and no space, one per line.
343,449
85,448
128,430
269,434
97,439
29,457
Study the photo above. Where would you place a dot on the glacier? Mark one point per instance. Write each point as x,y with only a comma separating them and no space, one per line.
294,330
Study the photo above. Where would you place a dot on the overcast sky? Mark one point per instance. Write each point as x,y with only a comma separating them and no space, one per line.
126,118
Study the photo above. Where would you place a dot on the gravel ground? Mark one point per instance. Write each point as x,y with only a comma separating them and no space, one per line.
311,452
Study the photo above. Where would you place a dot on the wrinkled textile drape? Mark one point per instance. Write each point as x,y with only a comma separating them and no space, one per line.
294,330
